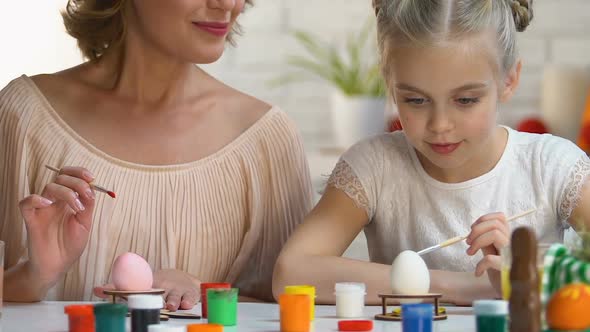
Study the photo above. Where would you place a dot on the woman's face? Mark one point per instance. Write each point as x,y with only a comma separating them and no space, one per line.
190,30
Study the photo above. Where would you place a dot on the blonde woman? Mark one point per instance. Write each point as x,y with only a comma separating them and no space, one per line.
210,182
449,66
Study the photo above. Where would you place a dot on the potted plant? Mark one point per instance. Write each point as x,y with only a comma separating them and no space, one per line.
358,100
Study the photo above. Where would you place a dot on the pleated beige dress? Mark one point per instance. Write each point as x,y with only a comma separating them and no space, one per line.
221,218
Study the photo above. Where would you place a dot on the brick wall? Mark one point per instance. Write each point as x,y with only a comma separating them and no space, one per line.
559,34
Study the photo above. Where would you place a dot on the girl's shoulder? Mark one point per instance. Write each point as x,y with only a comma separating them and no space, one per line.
544,148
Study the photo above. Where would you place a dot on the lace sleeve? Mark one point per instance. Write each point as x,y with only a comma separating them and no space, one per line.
344,179
578,178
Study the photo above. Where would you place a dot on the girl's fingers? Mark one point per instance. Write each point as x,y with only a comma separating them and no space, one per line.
486,226
492,239
488,262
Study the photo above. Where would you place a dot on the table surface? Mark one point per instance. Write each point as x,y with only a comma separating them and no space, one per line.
50,317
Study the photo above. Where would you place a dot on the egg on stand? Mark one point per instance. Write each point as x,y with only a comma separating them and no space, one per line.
410,283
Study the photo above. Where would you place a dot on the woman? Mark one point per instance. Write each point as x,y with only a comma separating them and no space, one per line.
210,182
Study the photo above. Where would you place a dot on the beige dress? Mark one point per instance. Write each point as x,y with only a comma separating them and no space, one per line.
221,218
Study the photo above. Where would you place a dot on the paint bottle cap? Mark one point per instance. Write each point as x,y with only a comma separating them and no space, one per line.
143,301
111,309
490,307
349,287
79,310
355,325
204,328
165,328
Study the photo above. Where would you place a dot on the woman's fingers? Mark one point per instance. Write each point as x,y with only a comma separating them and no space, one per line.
99,291
189,299
173,299
78,172
30,203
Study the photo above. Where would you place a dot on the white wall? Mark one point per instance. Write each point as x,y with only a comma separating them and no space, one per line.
33,41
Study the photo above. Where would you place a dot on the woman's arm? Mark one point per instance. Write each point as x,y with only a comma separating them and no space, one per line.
312,256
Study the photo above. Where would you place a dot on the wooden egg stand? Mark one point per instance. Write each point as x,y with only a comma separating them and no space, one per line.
392,316
164,314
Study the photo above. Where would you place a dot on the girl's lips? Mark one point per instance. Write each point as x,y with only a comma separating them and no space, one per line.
215,28
444,148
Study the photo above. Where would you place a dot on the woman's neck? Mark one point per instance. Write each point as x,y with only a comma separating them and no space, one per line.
141,74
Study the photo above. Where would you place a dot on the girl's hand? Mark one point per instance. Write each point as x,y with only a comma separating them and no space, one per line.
58,223
490,233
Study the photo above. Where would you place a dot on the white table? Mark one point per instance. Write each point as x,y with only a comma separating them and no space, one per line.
50,317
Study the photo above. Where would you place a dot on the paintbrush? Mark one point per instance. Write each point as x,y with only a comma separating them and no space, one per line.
454,240
94,186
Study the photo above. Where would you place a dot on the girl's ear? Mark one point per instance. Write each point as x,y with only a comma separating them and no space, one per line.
511,82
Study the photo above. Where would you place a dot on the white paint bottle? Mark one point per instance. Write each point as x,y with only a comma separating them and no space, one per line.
350,299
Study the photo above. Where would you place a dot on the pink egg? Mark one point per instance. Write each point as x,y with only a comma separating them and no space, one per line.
132,273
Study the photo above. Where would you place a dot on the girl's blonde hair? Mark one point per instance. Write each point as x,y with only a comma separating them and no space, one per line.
429,22
99,25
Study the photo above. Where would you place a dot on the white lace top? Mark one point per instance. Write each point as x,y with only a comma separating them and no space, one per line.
408,209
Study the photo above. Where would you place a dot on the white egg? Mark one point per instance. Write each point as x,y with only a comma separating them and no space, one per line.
409,274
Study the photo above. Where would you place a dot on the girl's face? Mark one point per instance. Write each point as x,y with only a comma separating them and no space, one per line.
190,30
447,99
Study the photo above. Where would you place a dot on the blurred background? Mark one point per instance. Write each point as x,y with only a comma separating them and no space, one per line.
552,95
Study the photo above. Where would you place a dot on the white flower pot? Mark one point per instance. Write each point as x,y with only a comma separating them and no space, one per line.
356,118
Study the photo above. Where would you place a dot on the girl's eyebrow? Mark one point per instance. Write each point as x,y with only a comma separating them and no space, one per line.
468,86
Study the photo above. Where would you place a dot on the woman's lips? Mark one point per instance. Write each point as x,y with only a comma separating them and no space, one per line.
444,148
215,28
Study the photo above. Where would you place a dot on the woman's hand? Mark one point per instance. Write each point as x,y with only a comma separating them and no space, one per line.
183,290
490,233
58,223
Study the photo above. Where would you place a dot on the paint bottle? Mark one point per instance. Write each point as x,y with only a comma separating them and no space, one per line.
294,312
350,299
204,287
222,306
417,317
80,318
145,310
165,328
204,328
307,290
491,315
110,317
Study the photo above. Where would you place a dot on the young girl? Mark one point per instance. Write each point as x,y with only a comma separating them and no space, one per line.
452,171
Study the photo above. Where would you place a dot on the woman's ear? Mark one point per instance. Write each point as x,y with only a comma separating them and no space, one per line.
511,81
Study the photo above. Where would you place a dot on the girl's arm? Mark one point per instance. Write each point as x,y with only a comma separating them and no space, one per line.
580,218
313,256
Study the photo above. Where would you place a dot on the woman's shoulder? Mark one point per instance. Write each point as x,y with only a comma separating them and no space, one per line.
18,100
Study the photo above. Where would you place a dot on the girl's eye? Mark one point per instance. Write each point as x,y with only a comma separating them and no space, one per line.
415,101
467,101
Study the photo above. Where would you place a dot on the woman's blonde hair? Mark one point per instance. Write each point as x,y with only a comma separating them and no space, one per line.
428,22
99,25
